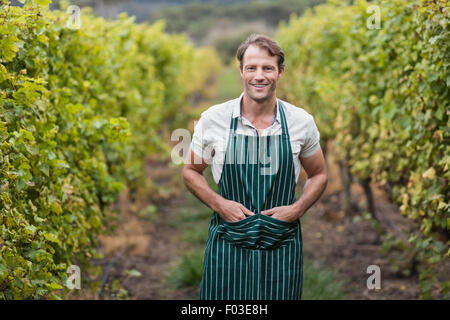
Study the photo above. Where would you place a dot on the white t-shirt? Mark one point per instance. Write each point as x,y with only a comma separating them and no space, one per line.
211,133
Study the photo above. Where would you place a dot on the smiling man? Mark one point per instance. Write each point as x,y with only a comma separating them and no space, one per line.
256,145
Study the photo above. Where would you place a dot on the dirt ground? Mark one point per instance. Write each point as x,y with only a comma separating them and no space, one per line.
350,246
337,241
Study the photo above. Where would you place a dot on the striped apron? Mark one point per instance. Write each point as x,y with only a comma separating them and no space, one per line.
259,257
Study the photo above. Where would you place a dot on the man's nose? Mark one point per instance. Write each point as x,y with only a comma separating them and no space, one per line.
259,74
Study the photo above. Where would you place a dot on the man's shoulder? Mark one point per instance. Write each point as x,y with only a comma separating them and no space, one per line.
220,110
295,113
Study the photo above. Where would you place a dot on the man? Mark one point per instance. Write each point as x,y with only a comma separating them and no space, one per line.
256,146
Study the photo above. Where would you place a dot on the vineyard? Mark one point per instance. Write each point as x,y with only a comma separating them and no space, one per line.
381,94
80,111
83,108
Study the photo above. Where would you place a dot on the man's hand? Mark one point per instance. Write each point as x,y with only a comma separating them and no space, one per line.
284,213
232,211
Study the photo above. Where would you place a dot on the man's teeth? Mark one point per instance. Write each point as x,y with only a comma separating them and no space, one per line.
259,85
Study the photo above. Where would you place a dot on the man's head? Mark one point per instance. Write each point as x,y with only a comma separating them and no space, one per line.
261,66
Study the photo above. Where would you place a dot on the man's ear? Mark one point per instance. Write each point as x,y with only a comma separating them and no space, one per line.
281,72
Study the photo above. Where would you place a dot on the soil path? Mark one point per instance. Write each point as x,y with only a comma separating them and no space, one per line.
338,242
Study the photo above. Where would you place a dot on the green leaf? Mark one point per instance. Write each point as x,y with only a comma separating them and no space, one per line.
30,254
56,207
30,229
55,296
134,273
3,73
43,3
44,168
54,286
8,48
429,174
51,237
43,39
3,269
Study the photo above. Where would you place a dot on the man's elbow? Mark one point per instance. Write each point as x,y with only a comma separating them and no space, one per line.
322,178
185,174
189,173
325,179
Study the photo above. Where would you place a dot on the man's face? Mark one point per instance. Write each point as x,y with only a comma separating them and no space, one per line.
260,73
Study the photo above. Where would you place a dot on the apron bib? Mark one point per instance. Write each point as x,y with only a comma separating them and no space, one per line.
259,257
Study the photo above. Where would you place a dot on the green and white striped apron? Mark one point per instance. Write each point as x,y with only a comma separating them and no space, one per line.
259,257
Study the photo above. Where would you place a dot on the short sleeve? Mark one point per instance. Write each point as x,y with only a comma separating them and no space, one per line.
201,143
312,140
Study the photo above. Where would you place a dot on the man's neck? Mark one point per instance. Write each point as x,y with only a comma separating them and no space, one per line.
254,110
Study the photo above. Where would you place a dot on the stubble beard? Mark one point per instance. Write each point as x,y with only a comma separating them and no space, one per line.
258,98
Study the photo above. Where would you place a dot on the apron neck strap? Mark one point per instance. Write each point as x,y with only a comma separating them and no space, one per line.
284,130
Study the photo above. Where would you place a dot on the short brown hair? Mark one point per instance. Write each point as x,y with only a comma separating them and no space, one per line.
264,42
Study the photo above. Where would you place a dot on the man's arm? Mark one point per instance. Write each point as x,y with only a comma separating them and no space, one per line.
316,170
194,180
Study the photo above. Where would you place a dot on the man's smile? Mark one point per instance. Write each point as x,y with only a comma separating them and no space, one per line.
259,86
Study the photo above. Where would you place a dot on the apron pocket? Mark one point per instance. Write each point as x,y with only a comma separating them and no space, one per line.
277,222
259,232
241,224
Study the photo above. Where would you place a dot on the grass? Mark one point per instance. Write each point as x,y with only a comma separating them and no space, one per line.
320,283
188,272
193,219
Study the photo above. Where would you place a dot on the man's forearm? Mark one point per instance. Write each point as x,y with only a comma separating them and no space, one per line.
197,184
313,189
